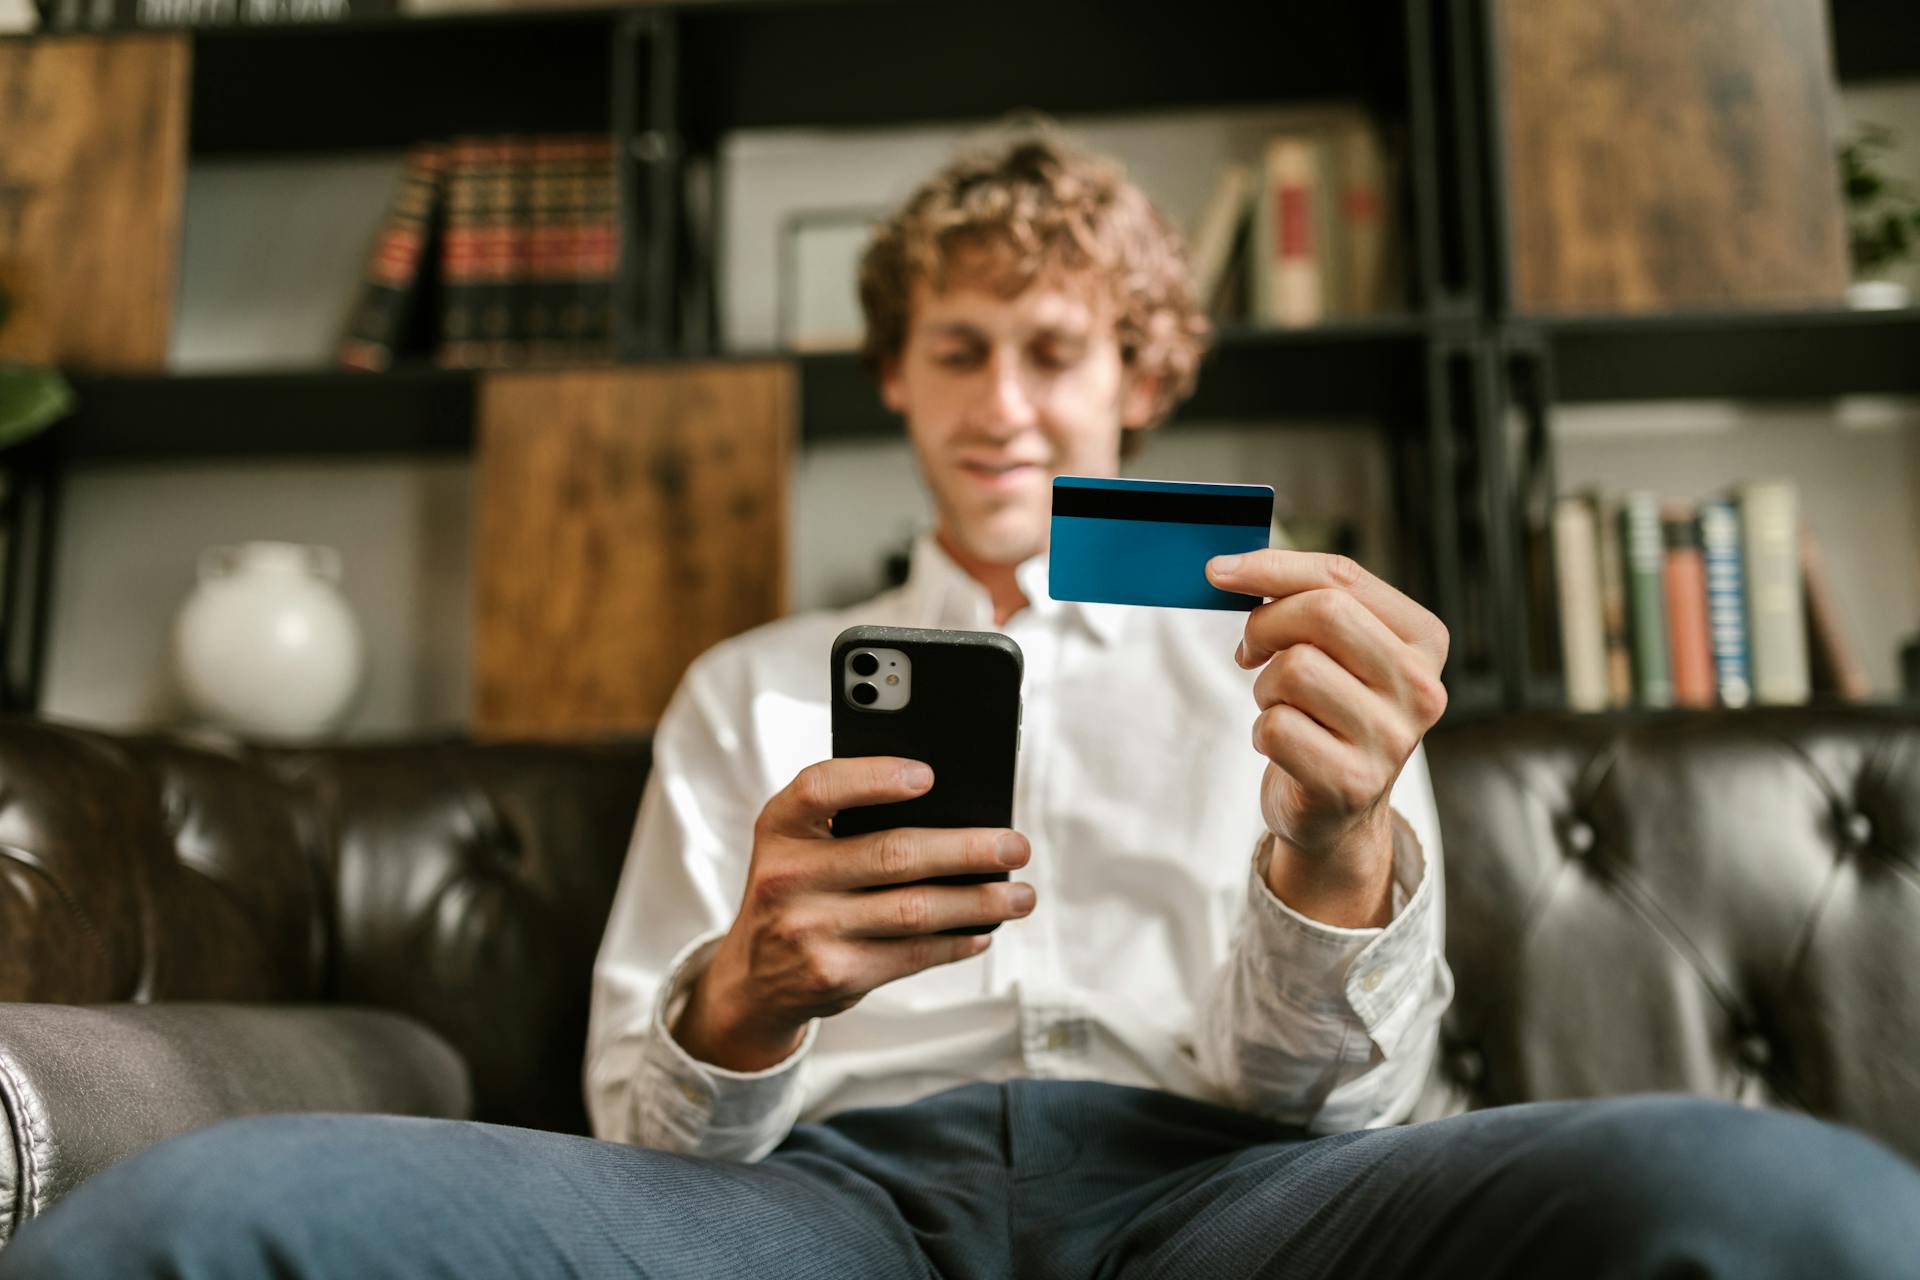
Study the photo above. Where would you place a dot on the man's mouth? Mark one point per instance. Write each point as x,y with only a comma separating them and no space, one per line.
999,472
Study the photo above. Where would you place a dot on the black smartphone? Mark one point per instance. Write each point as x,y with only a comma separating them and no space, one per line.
948,698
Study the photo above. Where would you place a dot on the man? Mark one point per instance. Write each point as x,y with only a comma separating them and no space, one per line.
1223,937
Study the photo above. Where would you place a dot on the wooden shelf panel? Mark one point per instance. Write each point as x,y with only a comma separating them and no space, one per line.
385,85
1794,355
1367,367
884,62
297,413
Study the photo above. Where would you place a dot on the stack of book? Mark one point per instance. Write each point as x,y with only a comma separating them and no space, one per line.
1724,603
495,251
1306,234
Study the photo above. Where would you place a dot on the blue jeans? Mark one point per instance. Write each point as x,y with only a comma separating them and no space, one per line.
1031,1178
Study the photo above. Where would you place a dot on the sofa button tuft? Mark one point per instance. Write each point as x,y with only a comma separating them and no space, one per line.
1468,1065
1858,828
1579,837
1753,1052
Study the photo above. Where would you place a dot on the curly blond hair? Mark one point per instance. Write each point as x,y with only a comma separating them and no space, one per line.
1033,206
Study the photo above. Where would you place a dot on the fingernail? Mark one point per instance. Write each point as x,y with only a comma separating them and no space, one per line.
916,776
1012,850
1021,896
1240,653
1224,565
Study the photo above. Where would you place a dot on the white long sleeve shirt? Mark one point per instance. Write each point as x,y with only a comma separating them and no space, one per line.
1156,955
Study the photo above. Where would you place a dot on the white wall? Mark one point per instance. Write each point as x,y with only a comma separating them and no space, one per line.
126,557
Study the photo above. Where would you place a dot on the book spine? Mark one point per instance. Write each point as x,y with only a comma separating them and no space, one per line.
1834,666
1613,601
1643,556
392,281
1726,601
1363,210
1776,625
1213,233
1287,285
517,270
151,15
1583,642
1689,642
460,344
600,250
494,241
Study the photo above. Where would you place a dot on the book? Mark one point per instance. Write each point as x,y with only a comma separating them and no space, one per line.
1776,626
391,287
576,251
1288,289
1726,601
147,15
1214,231
1833,665
1613,600
1644,558
1689,639
1360,234
1583,641
477,254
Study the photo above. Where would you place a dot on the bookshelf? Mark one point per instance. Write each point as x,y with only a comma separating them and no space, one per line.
671,80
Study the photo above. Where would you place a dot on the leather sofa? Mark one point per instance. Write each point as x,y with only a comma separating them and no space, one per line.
1721,903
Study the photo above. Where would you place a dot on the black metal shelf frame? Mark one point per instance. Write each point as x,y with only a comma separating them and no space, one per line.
669,80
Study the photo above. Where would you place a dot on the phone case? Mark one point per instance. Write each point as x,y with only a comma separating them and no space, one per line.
963,720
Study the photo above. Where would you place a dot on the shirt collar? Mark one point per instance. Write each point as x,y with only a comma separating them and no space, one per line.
942,594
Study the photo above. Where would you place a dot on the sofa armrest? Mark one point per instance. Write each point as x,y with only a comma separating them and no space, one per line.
83,1087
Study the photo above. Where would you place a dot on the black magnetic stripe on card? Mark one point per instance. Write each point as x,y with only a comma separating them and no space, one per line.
1250,510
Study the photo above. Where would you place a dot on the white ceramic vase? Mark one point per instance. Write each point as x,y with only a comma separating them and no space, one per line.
265,646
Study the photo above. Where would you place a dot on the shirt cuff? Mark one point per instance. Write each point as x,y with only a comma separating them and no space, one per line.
716,1111
1379,974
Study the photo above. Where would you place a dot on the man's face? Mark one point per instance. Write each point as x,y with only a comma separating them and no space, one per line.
1003,394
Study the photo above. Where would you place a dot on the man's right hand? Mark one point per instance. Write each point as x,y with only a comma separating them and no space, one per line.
818,928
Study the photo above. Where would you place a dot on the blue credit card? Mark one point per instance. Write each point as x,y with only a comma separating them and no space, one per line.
1148,541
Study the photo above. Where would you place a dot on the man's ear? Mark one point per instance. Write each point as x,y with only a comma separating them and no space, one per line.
1139,398
893,390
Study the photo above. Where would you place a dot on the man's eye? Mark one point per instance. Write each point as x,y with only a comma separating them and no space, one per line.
956,359
1054,357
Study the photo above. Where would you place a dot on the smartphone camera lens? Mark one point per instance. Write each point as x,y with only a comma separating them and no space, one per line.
865,664
864,693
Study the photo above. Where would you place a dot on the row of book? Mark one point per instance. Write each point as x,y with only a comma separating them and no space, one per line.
1723,603
137,15
1307,234
494,251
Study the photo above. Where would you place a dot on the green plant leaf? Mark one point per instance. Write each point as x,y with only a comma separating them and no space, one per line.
31,400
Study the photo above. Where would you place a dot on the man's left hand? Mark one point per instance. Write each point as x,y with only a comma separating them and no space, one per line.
1351,685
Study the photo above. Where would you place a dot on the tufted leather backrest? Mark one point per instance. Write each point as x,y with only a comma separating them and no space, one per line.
134,869
463,884
471,886
1725,904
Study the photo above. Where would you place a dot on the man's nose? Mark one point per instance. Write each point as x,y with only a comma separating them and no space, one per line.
1007,403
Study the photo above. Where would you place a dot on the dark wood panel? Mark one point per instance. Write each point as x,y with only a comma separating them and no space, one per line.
1369,369
1803,356
877,62
628,519
1669,153
410,410
92,165
388,85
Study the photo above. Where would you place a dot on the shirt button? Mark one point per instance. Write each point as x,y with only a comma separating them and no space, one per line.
1371,982
1057,1039
691,1093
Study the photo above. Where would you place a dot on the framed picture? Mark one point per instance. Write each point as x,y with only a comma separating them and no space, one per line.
819,303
